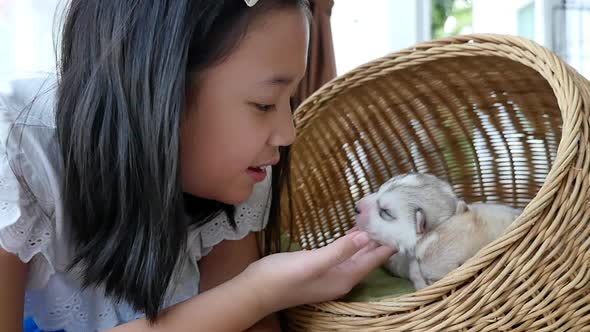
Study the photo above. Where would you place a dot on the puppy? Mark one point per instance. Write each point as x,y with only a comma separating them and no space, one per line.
450,244
401,211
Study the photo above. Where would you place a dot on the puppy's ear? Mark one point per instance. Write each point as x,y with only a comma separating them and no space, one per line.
462,207
420,221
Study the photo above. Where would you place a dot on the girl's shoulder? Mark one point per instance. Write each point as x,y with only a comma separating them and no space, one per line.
29,102
29,174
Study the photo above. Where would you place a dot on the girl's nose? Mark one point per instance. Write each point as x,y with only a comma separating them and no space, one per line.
284,133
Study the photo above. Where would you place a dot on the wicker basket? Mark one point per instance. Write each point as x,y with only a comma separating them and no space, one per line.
503,120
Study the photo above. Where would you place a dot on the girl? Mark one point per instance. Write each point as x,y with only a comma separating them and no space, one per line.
131,187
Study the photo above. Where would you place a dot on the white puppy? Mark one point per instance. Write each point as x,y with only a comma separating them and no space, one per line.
449,245
403,209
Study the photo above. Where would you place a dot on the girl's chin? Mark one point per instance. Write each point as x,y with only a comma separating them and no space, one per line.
239,194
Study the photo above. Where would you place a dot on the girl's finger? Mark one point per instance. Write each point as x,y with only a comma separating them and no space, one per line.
369,247
339,251
353,229
365,262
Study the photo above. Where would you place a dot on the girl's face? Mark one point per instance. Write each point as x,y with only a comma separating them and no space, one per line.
240,114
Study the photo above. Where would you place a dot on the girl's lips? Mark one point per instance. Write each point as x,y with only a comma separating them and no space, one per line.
258,174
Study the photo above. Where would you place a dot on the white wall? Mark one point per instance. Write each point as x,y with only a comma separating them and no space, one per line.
500,16
544,21
366,30
497,16
573,44
363,30
26,36
576,47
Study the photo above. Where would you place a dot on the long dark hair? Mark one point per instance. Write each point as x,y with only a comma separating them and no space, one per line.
124,72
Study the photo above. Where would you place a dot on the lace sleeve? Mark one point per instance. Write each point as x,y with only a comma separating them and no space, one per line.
251,216
25,228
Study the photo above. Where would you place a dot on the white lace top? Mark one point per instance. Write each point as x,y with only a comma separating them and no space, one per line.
34,230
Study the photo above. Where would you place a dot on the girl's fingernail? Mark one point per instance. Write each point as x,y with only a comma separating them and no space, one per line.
361,239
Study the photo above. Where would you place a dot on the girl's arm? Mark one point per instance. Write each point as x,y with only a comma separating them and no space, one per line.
12,292
231,306
228,259
273,283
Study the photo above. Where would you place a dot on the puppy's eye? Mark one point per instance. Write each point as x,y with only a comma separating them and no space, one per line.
385,214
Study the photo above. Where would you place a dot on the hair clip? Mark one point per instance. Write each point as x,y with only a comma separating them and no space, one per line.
250,3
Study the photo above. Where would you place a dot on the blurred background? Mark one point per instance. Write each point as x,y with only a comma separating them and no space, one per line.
561,25
361,30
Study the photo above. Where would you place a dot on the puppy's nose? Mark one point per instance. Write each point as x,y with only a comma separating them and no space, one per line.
357,210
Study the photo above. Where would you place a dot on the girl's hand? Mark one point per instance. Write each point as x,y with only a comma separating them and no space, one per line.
289,279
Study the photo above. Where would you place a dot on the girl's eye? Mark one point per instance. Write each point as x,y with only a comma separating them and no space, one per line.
270,107
264,107
385,214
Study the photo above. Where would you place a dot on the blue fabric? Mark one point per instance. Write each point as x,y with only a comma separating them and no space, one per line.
30,326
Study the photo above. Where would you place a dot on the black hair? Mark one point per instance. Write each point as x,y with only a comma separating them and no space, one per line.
125,69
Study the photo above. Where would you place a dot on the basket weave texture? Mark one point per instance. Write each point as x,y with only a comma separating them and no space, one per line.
503,120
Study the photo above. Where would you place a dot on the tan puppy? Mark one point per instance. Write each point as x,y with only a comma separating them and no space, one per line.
449,245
